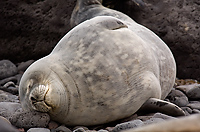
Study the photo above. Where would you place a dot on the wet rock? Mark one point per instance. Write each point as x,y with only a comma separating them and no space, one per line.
127,125
8,108
38,130
183,124
7,69
5,126
178,98
29,119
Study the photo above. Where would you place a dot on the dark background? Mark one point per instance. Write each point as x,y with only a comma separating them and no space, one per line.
29,29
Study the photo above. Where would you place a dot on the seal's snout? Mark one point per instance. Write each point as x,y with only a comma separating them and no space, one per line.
37,98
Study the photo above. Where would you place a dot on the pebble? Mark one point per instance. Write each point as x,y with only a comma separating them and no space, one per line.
38,130
102,130
194,105
8,108
61,128
187,110
24,65
52,125
5,126
163,116
177,97
194,92
195,111
7,69
29,119
8,97
12,79
80,129
127,125
153,120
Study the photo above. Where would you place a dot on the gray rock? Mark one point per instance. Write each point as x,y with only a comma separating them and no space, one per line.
183,124
61,129
7,69
127,125
194,105
187,110
12,79
5,126
8,108
29,119
177,97
38,130
195,111
80,129
102,130
153,120
194,92
162,116
24,65
8,97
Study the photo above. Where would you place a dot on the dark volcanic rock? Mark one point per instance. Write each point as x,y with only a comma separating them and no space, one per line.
30,29
178,24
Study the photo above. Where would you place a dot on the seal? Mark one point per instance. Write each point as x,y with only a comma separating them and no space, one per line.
92,78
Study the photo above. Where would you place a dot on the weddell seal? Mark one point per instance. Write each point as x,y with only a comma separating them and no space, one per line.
100,71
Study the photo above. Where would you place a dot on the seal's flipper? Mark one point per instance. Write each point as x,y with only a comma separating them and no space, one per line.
162,106
110,22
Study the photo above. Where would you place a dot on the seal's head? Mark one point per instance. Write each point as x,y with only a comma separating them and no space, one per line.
40,89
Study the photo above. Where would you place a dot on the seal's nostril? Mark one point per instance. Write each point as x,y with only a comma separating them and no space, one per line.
33,99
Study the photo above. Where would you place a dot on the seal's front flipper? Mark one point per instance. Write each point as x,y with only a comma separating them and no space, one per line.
157,105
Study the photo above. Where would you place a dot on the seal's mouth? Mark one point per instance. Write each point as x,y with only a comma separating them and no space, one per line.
37,98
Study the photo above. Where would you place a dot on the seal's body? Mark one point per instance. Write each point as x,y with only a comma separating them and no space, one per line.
103,70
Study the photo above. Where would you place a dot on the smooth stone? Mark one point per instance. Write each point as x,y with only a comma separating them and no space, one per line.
12,79
153,120
8,84
127,125
8,108
186,88
38,130
5,126
80,129
24,65
183,124
7,69
187,109
177,97
194,92
102,130
29,119
52,125
163,116
8,97
195,111
194,105
61,129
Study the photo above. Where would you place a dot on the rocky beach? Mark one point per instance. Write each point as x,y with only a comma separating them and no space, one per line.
30,30
185,94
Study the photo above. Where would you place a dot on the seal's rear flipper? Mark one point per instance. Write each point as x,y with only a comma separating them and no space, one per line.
157,105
